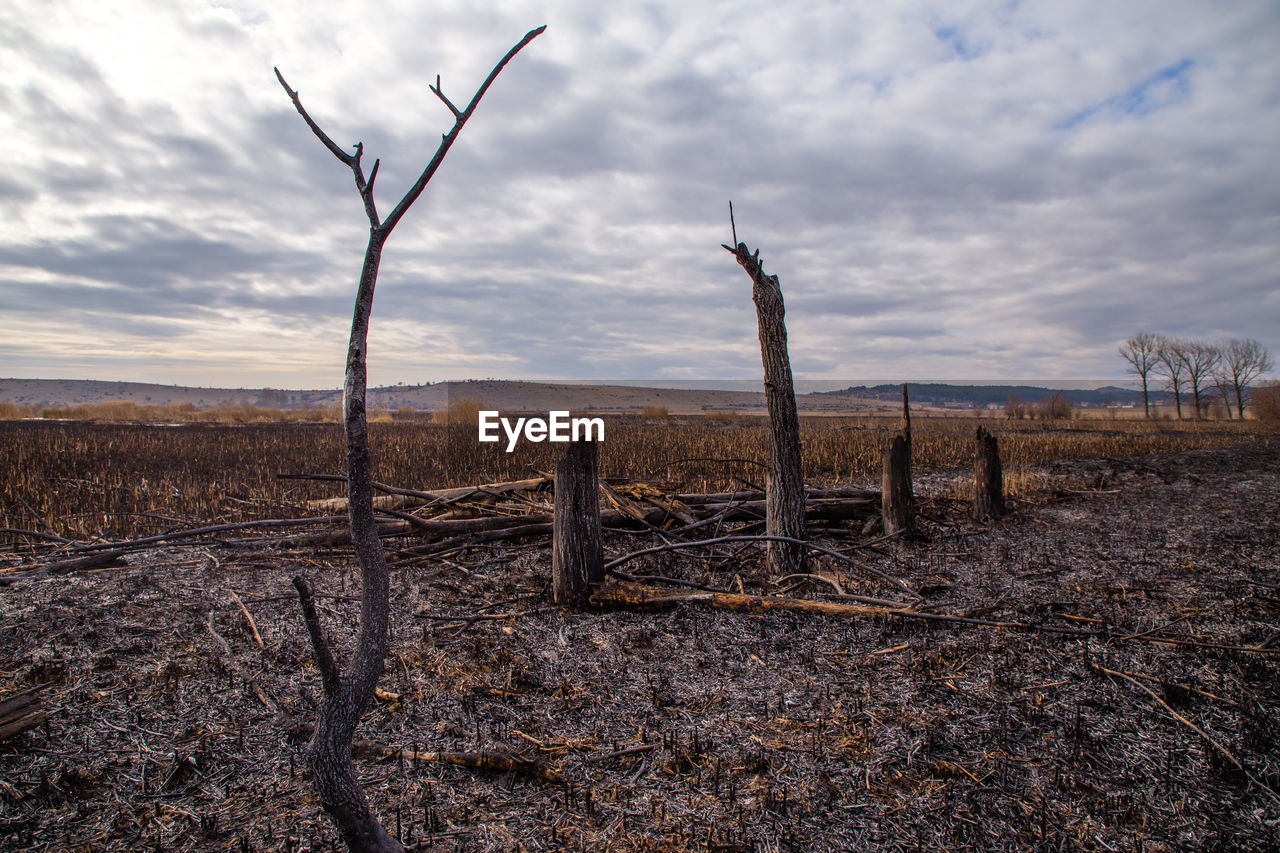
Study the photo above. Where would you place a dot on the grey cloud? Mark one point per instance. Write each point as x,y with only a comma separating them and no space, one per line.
140,254
920,181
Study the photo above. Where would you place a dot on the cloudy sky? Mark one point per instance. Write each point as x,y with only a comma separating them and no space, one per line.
946,189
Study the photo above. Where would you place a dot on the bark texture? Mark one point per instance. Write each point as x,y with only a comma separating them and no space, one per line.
577,552
784,515
897,505
988,478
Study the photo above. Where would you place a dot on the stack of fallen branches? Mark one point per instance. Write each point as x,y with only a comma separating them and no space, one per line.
448,519
445,520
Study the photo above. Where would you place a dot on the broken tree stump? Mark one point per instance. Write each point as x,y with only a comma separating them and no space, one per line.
988,479
784,515
577,550
897,501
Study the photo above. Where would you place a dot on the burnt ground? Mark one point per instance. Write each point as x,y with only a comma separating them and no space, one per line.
692,728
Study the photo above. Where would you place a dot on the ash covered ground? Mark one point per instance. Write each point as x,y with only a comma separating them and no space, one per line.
690,728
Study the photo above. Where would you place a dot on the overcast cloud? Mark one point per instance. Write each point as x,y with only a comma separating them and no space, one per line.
946,189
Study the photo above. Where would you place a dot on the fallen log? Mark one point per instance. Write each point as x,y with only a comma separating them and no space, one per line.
625,594
815,510
757,495
632,515
60,567
409,498
520,532
193,532
20,712
398,498
633,595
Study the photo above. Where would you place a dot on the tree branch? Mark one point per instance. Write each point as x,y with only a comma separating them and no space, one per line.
324,656
346,158
448,103
352,161
416,190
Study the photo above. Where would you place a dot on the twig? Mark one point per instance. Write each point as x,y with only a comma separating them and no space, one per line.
248,616
619,753
1201,732
226,648
626,558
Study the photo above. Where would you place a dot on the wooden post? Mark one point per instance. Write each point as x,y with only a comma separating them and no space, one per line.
784,501
988,479
577,552
897,503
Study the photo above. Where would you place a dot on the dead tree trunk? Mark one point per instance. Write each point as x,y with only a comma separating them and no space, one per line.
897,497
988,479
577,552
897,502
784,515
906,425
347,696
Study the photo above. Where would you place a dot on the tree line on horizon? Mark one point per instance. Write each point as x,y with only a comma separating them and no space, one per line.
1187,367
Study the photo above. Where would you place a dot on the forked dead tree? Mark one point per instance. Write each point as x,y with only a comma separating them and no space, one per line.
784,507
347,695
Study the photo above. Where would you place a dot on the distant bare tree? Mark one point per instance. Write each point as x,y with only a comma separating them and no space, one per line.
1242,362
1223,385
1141,351
1201,360
347,696
1054,407
1168,354
1014,407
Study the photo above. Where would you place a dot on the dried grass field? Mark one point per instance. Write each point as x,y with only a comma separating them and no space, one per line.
1127,700
82,480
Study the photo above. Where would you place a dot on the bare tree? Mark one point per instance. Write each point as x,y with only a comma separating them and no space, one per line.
347,696
1223,384
1201,360
1173,368
1243,361
1141,351
1055,406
